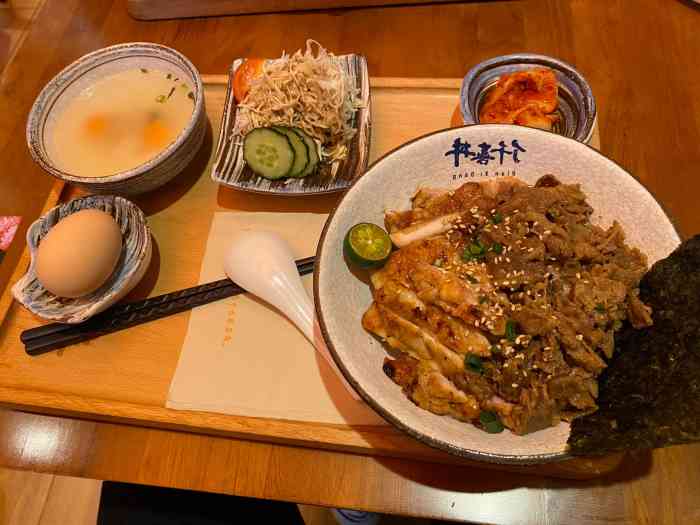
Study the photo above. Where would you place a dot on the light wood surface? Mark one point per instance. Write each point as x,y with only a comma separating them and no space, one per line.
146,356
640,58
30,498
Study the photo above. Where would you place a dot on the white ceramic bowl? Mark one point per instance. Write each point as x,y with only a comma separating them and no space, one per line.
94,66
130,269
341,298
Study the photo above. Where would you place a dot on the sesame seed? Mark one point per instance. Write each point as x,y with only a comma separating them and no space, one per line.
476,323
578,275
548,232
534,224
507,259
535,366
579,337
505,366
514,385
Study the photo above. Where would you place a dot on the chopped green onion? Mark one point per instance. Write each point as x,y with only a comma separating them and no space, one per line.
190,95
497,248
160,99
495,349
600,308
169,76
474,363
438,263
510,330
491,422
483,299
472,279
476,248
497,218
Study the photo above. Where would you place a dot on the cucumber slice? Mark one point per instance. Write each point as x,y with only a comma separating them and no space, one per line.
301,151
313,153
269,153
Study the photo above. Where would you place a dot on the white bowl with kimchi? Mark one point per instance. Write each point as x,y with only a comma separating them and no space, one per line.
517,254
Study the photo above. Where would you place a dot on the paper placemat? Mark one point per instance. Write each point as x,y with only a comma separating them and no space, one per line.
242,357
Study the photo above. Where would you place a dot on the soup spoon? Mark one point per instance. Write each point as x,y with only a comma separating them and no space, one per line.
262,263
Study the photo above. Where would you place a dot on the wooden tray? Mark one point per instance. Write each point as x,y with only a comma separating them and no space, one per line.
125,376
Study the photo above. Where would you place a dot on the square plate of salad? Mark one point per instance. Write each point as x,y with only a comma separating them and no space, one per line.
295,125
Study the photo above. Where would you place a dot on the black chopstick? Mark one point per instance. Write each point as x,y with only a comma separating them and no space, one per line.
57,335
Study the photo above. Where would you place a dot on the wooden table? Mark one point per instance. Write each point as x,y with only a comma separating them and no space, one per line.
639,56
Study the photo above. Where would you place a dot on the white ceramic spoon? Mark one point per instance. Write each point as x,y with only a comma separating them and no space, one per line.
263,264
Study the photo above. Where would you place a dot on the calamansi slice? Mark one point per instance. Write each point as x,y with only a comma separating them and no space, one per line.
367,245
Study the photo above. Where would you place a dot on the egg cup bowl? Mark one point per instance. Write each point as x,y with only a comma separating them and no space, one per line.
133,261
93,67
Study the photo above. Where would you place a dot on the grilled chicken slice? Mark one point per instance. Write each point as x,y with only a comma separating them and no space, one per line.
423,382
419,343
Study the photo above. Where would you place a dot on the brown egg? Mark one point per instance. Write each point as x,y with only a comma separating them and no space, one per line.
79,253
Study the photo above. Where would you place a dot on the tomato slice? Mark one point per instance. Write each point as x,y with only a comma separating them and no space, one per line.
247,71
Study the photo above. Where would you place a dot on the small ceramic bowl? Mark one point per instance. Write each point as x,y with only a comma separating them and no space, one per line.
131,267
577,108
439,160
95,66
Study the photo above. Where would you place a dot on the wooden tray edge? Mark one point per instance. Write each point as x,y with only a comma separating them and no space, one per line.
369,440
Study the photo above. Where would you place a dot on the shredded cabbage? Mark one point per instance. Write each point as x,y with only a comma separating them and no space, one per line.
309,90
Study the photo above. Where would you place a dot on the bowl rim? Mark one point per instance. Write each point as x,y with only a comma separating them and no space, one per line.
34,134
18,292
532,59
434,442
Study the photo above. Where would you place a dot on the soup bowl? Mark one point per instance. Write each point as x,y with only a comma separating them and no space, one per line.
88,70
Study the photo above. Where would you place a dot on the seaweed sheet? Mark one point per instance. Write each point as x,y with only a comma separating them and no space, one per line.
650,392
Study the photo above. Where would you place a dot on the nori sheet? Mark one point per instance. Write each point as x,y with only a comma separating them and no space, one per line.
650,392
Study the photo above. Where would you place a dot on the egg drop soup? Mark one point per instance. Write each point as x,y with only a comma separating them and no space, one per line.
120,122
